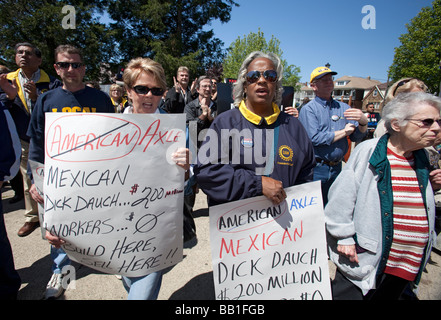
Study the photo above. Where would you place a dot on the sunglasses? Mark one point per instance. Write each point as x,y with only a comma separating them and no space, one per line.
426,122
400,84
66,65
145,90
254,76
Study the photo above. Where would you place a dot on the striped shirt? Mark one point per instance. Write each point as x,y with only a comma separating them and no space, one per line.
411,228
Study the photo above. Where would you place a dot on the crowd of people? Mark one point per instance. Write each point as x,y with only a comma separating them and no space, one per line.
379,205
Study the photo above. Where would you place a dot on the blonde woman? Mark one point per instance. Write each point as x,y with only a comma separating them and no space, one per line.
401,86
116,93
144,80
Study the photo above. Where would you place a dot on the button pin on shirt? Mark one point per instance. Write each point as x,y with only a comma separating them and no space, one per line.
336,118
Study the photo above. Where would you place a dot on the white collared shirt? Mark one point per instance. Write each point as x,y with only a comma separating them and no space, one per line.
23,79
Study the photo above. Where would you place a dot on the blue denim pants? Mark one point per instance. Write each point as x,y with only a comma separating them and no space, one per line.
143,288
139,288
327,175
60,260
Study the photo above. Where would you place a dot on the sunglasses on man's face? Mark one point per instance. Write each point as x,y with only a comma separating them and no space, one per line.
66,65
254,76
145,90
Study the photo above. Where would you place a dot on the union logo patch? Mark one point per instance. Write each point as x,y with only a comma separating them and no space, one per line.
286,153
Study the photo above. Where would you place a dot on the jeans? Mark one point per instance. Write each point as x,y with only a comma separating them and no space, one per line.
327,175
60,260
143,288
139,288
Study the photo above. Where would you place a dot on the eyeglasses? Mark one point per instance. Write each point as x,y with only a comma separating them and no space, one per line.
426,122
254,76
145,90
66,65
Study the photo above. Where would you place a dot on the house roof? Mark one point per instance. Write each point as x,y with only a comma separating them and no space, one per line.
383,86
381,90
356,83
305,88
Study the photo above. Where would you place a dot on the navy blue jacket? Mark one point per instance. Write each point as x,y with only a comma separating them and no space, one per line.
10,148
226,178
60,100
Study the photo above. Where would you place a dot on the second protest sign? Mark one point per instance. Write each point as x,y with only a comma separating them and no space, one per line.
263,251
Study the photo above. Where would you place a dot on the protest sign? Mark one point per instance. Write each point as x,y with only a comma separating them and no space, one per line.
263,251
112,192
37,170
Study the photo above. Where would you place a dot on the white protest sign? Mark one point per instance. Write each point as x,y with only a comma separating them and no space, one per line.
37,170
112,192
261,251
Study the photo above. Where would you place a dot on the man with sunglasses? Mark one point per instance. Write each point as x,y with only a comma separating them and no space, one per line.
72,96
30,82
329,123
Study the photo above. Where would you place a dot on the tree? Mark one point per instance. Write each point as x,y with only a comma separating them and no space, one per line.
241,48
420,51
170,31
41,23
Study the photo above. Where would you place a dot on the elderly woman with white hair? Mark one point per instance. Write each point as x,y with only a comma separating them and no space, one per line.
254,149
381,210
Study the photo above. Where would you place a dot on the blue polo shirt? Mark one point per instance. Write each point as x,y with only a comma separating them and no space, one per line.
321,118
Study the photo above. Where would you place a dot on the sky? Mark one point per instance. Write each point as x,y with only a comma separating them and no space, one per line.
315,32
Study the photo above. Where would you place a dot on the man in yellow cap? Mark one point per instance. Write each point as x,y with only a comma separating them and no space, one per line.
329,123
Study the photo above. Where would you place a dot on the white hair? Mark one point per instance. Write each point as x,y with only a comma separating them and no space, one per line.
238,88
406,105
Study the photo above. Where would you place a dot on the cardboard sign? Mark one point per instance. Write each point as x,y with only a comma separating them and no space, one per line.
112,192
37,170
261,251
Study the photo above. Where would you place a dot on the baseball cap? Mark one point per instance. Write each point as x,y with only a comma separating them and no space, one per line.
320,72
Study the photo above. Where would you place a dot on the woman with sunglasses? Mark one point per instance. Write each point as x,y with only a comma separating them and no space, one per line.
381,209
268,150
144,80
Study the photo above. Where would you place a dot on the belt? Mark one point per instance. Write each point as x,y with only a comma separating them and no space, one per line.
328,163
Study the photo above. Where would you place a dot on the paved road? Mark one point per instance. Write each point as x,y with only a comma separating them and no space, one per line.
192,279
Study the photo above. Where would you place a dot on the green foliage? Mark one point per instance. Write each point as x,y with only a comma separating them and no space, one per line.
169,31
241,48
40,23
420,52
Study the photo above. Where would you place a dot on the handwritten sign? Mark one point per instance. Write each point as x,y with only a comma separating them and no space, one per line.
262,251
37,170
112,192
